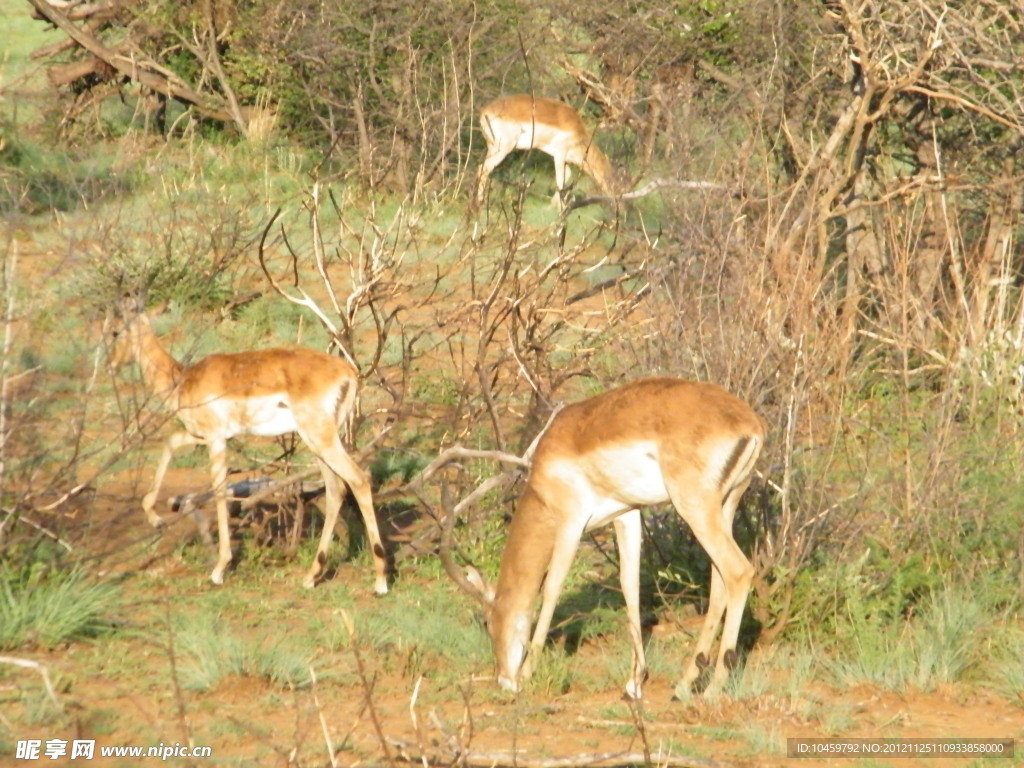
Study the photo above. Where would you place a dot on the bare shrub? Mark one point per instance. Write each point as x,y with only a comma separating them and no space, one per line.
868,300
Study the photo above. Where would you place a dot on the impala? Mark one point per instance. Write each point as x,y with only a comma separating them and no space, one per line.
267,392
649,442
521,121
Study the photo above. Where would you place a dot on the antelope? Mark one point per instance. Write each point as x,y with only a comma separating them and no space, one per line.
265,392
648,442
521,121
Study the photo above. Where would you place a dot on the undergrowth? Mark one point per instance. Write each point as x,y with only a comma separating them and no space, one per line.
45,607
209,650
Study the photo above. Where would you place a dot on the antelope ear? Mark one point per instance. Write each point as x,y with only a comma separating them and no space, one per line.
474,577
131,305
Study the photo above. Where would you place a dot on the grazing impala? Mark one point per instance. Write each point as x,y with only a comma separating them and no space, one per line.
652,441
266,392
521,121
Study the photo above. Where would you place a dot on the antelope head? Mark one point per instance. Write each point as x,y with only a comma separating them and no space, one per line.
509,633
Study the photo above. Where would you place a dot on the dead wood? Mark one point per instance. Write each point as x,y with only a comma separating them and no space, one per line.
43,671
650,187
65,74
80,11
135,68
516,759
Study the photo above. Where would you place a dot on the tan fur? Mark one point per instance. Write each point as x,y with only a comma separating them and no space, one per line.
264,392
648,442
521,121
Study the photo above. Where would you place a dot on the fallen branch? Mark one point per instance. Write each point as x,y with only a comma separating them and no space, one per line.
21,518
647,189
503,758
456,453
368,683
323,720
41,669
136,69
604,285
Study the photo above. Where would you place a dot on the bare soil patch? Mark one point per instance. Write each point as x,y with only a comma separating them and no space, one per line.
376,713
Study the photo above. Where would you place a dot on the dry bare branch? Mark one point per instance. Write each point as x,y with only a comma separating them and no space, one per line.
136,68
516,759
43,671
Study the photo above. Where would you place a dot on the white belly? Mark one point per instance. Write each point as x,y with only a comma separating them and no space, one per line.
266,416
612,481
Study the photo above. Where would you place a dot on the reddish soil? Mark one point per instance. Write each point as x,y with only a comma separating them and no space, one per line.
386,714
250,721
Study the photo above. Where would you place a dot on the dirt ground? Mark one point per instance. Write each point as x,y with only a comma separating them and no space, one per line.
392,718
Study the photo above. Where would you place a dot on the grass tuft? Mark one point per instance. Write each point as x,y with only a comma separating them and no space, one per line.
943,643
210,651
40,607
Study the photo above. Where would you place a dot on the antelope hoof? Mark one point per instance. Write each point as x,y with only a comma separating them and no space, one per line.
632,693
713,691
682,692
635,687
314,573
313,577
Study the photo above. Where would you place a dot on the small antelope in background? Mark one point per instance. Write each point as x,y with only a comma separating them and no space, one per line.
266,392
522,121
652,441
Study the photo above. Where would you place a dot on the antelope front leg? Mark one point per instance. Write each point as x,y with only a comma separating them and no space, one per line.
219,474
174,442
566,544
629,537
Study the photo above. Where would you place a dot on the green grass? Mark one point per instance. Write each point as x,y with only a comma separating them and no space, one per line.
764,740
758,674
943,643
43,608
208,651
426,629
267,321
1005,662
21,35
